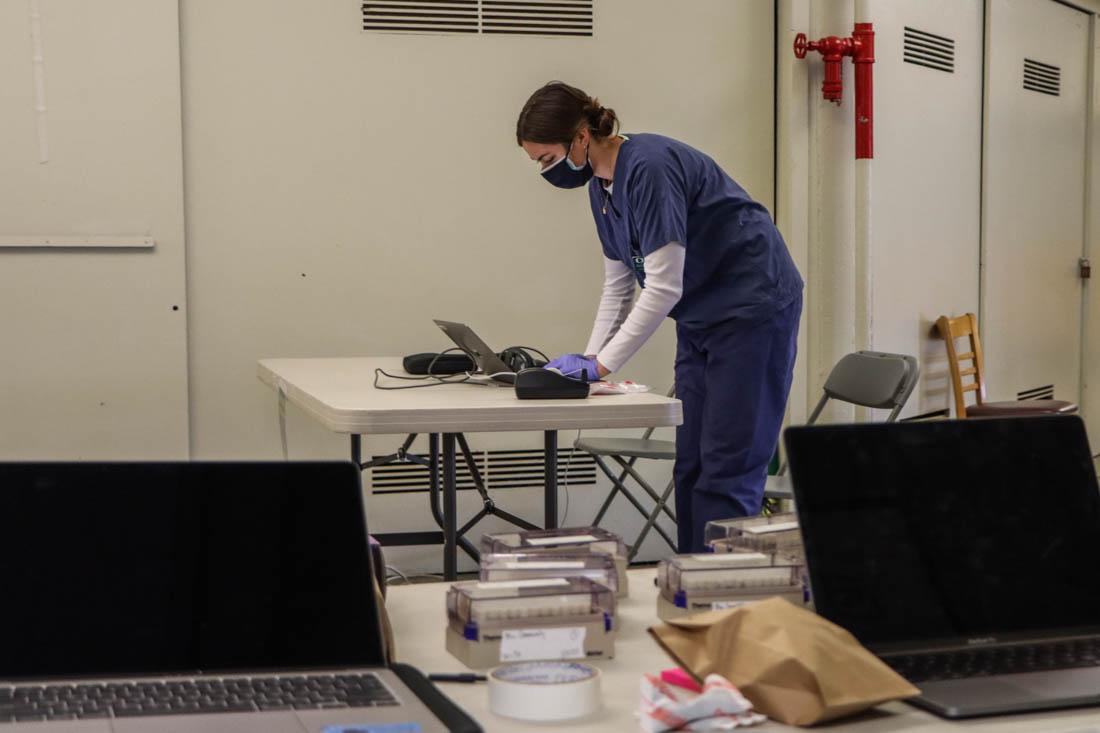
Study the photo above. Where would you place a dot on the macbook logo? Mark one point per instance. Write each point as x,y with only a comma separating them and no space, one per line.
981,640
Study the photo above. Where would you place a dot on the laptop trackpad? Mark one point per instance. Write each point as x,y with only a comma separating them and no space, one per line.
1030,690
273,722
1058,684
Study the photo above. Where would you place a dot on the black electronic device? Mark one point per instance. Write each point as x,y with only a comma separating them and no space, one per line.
962,552
438,364
247,582
545,384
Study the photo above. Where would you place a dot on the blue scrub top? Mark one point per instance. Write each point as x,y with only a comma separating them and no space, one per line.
736,264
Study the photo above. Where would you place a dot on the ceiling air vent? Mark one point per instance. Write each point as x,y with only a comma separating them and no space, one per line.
1042,78
499,469
499,17
929,50
1046,392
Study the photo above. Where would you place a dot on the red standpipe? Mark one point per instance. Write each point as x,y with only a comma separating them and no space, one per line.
861,47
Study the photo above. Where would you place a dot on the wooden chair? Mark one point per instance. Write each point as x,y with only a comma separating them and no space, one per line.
966,326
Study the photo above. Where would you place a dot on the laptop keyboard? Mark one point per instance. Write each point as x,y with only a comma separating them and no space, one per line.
202,695
996,660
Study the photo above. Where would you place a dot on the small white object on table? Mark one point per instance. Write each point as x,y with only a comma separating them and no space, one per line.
419,617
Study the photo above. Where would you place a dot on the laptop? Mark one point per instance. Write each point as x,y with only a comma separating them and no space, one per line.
196,597
488,363
965,554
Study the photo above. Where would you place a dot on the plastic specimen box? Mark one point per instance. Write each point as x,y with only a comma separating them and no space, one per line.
575,540
694,583
491,623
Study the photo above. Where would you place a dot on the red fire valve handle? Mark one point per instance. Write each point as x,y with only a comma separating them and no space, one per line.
800,46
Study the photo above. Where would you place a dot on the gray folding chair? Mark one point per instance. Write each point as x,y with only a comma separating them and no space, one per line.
625,452
866,378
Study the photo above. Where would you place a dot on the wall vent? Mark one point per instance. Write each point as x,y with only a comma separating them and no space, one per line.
537,18
1046,392
421,16
1042,78
499,17
499,469
929,50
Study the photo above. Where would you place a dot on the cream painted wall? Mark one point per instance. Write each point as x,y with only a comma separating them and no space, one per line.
793,180
926,186
1034,200
94,360
1090,377
831,285
345,188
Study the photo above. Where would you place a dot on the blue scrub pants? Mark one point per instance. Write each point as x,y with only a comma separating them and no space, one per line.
733,380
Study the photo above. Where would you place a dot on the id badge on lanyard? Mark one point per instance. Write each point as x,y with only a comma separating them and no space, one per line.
638,263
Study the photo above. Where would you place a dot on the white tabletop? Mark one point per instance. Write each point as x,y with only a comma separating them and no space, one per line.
419,618
340,394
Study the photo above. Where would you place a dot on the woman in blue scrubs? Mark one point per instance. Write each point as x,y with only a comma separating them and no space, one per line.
706,255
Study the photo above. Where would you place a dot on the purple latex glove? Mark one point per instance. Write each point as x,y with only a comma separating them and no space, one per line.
577,366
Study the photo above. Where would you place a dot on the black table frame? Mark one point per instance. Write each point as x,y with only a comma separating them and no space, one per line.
442,468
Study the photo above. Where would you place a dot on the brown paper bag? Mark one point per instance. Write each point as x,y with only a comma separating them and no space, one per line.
793,665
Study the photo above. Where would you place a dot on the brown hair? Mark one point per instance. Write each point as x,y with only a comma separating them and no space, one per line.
556,112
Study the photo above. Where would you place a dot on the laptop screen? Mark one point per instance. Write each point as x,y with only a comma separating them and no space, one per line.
180,567
942,530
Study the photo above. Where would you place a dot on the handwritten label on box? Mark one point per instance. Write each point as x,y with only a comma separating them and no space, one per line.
526,645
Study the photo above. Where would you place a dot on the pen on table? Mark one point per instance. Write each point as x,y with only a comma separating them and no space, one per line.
463,677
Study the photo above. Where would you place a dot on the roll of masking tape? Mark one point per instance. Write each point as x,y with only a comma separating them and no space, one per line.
545,691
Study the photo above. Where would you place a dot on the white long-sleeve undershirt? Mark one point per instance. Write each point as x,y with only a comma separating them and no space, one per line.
616,335
615,300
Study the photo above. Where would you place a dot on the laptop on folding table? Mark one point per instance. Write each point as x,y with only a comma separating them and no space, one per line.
178,597
489,365
965,554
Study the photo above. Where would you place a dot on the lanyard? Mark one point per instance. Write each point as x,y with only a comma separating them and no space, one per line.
607,202
637,261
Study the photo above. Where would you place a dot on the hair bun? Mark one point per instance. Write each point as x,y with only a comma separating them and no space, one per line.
602,120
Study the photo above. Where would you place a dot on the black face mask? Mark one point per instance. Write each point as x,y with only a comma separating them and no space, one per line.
568,175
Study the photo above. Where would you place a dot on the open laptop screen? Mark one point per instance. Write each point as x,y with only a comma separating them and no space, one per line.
942,530
179,567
